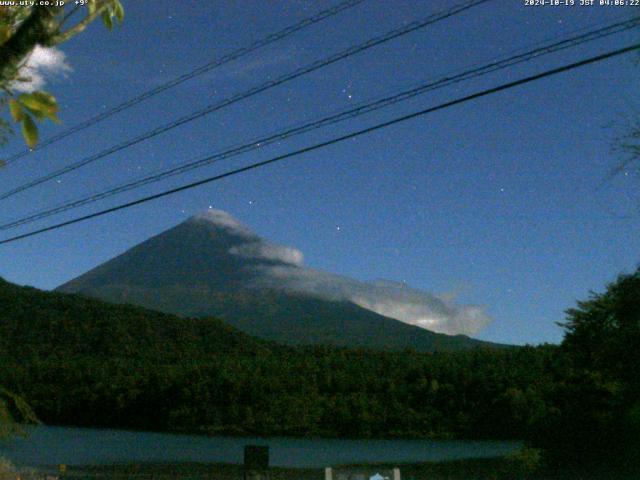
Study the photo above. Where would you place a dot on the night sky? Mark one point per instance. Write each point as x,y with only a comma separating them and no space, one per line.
501,202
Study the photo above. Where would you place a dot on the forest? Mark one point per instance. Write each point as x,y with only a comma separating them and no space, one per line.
83,362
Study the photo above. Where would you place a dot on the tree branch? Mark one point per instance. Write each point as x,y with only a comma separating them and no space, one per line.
80,26
34,30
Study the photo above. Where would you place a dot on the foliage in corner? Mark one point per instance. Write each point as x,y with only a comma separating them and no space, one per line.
22,28
603,332
598,416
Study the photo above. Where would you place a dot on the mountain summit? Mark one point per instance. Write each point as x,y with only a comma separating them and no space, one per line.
213,265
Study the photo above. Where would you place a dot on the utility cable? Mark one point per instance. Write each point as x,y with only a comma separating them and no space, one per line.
404,30
236,54
318,146
357,111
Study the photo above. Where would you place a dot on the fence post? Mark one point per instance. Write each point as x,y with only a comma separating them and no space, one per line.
328,474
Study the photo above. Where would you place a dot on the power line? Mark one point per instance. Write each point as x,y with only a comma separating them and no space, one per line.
333,141
236,54
335,118
406,29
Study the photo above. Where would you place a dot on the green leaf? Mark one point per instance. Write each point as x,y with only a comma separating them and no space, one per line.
106,19
39,102
16,110
53,117
29,131
46,99
5,33
118,10
2,163
40,115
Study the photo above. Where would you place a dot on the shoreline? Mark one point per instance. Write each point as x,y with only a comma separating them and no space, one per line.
496,468
238,434
466,469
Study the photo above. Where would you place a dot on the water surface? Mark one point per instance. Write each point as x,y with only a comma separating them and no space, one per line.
83,446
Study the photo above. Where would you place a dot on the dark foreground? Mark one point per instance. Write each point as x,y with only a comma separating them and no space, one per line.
473,469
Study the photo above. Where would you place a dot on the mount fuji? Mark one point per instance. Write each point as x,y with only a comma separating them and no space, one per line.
213,265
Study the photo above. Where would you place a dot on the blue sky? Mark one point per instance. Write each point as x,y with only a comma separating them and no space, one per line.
496,201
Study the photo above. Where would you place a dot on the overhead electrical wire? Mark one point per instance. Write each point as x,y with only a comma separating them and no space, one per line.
333,141
358,110
218,62
391,35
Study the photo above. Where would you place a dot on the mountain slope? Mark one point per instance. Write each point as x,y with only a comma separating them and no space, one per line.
41,323
211,265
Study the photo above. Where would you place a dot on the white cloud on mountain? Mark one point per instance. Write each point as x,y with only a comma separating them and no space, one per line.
254,246
269,251
220,218
437,313
390,299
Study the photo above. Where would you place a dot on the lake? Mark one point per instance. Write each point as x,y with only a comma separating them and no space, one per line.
82,446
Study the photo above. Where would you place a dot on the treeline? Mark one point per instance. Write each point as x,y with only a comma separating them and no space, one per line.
83,362
87,363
